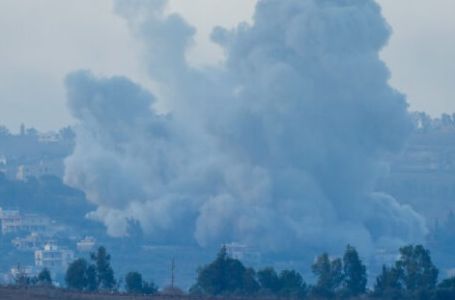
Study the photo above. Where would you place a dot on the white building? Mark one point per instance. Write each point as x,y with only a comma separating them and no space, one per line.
86,245
243,253
22,271
10,220
13,221
39,168
31,242
34,223
53,257
48,137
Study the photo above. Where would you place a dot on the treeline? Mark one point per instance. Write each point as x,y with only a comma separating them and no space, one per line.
424,122
42,279
412,276
91,275
97,275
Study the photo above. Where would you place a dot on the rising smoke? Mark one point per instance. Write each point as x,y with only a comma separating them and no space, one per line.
279,148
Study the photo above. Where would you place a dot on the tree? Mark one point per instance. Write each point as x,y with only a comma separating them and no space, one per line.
21,278
329,273
249,283
91,281
81,275
446,289
67,133
211,278
32,132
355,276
448,283
75,277
44,277
149,288
413,275
388,284
292,284
416,269
446,120
4,131
288,284
134,283
269,280
225,275
104,272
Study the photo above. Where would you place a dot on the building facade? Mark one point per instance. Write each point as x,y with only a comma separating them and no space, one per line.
53,257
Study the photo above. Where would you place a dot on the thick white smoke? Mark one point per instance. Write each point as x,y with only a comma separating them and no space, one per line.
280,147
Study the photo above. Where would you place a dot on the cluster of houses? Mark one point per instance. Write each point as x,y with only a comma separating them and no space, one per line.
35,235
12,221
33,154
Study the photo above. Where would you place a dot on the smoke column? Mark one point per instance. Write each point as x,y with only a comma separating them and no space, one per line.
279,147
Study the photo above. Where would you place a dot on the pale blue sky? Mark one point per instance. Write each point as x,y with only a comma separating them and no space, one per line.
41,41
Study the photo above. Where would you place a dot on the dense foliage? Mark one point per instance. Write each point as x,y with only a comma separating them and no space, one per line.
44,278
355,273
412,276
225,275
134,284
83,276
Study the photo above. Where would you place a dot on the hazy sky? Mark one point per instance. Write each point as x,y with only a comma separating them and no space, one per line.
42,40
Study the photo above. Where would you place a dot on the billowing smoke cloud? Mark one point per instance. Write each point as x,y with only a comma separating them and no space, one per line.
280,147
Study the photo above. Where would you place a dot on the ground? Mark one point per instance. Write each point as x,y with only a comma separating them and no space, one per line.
16,293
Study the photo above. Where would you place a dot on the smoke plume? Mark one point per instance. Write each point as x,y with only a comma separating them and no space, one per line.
279,147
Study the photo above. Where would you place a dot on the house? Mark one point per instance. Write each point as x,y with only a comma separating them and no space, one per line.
53,257
244,253
10,220
20,273
13,221
86,245
31,242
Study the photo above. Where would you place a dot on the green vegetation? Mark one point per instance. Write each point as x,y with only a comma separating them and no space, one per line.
329,276
104,274
355,273
43,279
83,276
134,284
412,276
77,275
225,275
99,276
